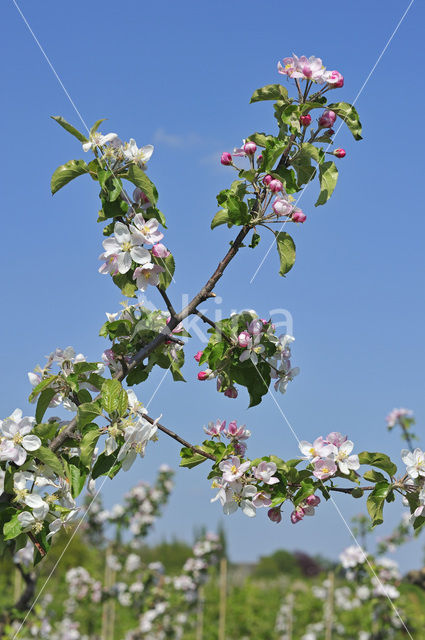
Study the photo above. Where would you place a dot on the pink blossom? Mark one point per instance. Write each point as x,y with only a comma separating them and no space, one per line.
296,516
275,186
231,392
240,448
313,500
226,158
303,68
110,265
233,469
198,355
145,231
260,158
305,120
140,198
241,432
298,216
244,339
160,251
334,78
250,148
274,514
319,449
215,428
324,468
396,414
282,207
335,438
147,274
261,499
205,375
327,119
340,153
265,472
267,179
255,327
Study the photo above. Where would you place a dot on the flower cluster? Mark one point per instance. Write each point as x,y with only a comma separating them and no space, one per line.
330,455
396,416
312,69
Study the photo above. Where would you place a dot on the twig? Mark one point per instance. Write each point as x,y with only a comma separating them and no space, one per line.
185,443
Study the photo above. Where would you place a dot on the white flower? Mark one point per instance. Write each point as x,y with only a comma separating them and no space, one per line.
16,442
233,469
234,496
135,440
147,274
98,140
316,450
265,472
251,352
352,556
147,230
414,461
126,247
344,461
57,524
33,521
133,154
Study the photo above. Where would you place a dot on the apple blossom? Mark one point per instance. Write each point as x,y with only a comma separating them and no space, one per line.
255,327
324,468
275,514
198,355
126,246
99,140
237,496
147,274
215,428
303,68
319,449
160,251
136,438
252,351
208,374
335,438
33,521
226,158
110,266
261,499
305,120
265,472
231,392
16,442
352,556
396,415
282,207
313,500
267,179
275,186
298,216
344,460
296,516
334,78
340,153
233,431
414,461
233,469
147,230
327,119
141,199
140,156
244,339
250,148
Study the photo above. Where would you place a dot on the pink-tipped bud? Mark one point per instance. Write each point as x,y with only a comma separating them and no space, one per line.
336,80
313,501
274,514
198,355
240,448
267,179
250,148
205,375
226,158
231,392
282,207
275,186
295,517
298,216
260,158
340,153
305,120
327,119
244,339
160,251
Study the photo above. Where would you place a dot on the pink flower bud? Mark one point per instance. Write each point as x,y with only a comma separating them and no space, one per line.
240,449
298,216
313,501
274,514
226,158
267,179
260,158
250,148
159,251
305,120
198,355
295,517
231,392
336,79
340,153
244,339
282,207
327,119
275,186
202,375
139,197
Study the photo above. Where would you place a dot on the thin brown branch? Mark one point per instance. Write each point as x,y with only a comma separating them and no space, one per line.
350,489
167,302
175,436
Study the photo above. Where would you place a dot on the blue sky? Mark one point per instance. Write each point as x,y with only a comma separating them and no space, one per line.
180,76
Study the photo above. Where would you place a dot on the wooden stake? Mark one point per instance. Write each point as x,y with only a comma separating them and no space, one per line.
330,606
223,598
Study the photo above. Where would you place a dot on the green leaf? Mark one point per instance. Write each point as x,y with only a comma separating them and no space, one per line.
169,266
328,175
88,444
374,476
83,367
221,217
46,456
46,430
260,139
88,411
96,126
313,152
12,529
350,116
128,287
273,151
307,489
375,502
286,250
304,169
138,177
270,92
254,240
190,459
44,400
67,172
105,466
41,385
76,478
68,127
379,460
111,392
237,210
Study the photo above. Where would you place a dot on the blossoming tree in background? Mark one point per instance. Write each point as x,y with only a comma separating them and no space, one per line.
46,462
